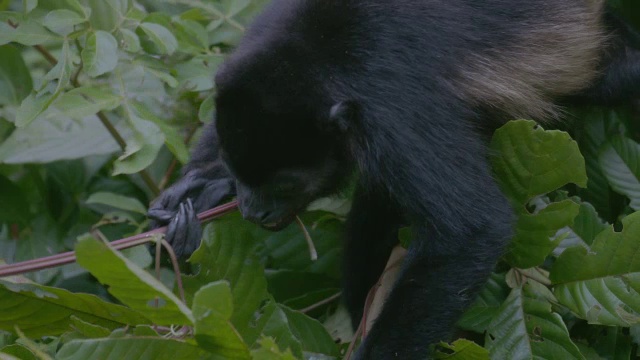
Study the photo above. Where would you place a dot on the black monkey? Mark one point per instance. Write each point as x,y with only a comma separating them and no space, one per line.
396,92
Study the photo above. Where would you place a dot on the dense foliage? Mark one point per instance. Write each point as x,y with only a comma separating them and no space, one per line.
99,103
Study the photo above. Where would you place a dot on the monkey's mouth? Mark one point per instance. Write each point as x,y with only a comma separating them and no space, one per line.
279,224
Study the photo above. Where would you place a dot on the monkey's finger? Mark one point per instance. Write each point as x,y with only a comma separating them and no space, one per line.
192,228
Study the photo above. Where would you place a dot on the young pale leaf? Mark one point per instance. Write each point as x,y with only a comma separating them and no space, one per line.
461,350
532,242
130,41
117,201
602,285
86,101
620,161
132,285
142,148
212,308
15,79
100,54
161,37
39,310
207,109
133,348
58,138
526,328
31,32
32,106
532,161
198,73
62,21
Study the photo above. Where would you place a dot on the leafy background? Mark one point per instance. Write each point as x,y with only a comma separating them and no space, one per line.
99,104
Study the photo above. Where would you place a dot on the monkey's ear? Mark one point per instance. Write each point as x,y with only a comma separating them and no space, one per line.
343,115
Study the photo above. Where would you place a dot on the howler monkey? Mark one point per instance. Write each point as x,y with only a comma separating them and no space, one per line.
396,92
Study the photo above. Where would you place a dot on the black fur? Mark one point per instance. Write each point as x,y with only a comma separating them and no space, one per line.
320,90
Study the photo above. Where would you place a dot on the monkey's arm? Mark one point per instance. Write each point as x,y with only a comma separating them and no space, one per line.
204,184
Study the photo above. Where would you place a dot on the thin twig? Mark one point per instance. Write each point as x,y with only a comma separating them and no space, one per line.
129,242
321,303
313,253
176,269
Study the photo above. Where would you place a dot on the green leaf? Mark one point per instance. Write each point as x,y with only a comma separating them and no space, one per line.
462,350
62,21
173,137
130,284
269,350
86,101
132,348
15,203
141,149
61,72
532,161
100,54
161,37
602,285
46,311
207,109
310,333
620,161
532,242
130,41
198,73
107,15
88,330
527,328
212,309
32,106
30,33
227,253
58,138
15,79
18,351
478,317
117,201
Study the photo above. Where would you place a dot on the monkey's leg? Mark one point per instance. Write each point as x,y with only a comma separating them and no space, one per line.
372,232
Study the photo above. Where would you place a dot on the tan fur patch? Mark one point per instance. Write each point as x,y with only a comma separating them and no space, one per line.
557,56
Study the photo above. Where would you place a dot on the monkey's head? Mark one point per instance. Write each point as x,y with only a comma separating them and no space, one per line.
281,138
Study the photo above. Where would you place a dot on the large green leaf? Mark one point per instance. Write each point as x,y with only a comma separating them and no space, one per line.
131,284
133,348
620,161
212,309
462,350
478,317
527,328
228,253
15,79
602,285
41,310
532,242
531,161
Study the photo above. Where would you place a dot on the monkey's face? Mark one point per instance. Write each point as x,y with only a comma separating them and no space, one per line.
282,157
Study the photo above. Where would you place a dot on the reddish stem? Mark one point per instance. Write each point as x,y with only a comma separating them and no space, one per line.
140,239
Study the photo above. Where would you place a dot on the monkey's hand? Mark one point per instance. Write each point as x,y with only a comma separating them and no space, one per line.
177,208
